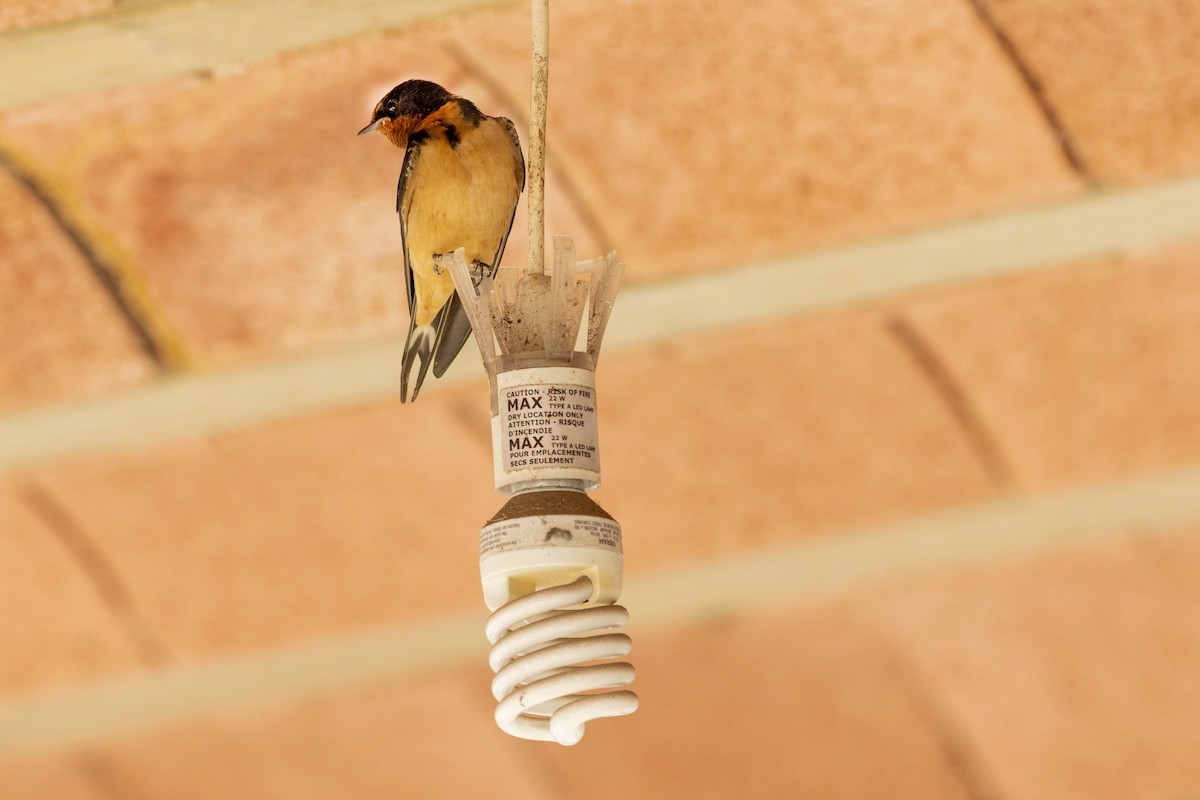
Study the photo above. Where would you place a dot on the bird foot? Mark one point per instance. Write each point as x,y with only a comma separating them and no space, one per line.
479,270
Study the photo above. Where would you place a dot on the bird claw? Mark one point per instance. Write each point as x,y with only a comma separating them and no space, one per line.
479,271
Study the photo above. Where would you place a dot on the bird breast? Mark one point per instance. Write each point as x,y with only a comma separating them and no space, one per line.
458,196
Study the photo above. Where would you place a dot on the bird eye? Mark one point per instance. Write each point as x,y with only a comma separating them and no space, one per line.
391,108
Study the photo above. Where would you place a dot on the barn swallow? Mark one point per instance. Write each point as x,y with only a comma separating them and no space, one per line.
462,176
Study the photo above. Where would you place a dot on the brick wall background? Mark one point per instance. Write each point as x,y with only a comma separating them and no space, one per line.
900,406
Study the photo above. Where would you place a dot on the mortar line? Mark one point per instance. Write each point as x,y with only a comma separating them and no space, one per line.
815,571
103,273
1033,83
968,418
1027,240
144,42
964,758
102,574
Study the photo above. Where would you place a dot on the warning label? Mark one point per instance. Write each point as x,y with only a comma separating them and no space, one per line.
551,425
554,530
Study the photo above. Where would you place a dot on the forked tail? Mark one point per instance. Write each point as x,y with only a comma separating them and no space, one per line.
418,346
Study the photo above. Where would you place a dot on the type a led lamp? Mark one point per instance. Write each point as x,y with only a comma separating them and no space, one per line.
550,559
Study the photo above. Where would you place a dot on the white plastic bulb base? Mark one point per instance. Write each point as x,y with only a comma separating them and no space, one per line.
549,538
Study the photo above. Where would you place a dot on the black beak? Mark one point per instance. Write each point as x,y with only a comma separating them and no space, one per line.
372,126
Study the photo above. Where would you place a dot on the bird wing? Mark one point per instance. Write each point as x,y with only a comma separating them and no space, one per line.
403,204
519,170
453,326
419,343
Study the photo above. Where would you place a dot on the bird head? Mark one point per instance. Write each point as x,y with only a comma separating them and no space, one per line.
404,108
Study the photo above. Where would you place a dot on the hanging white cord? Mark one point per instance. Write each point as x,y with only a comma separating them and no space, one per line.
537,137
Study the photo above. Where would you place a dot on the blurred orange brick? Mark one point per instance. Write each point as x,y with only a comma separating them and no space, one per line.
1074,676
257,219
779,705
782,704
58,776
28,13
730,442
1082,374
335,523
424,738
54,628
61,335
1124,79
746,438
708,138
